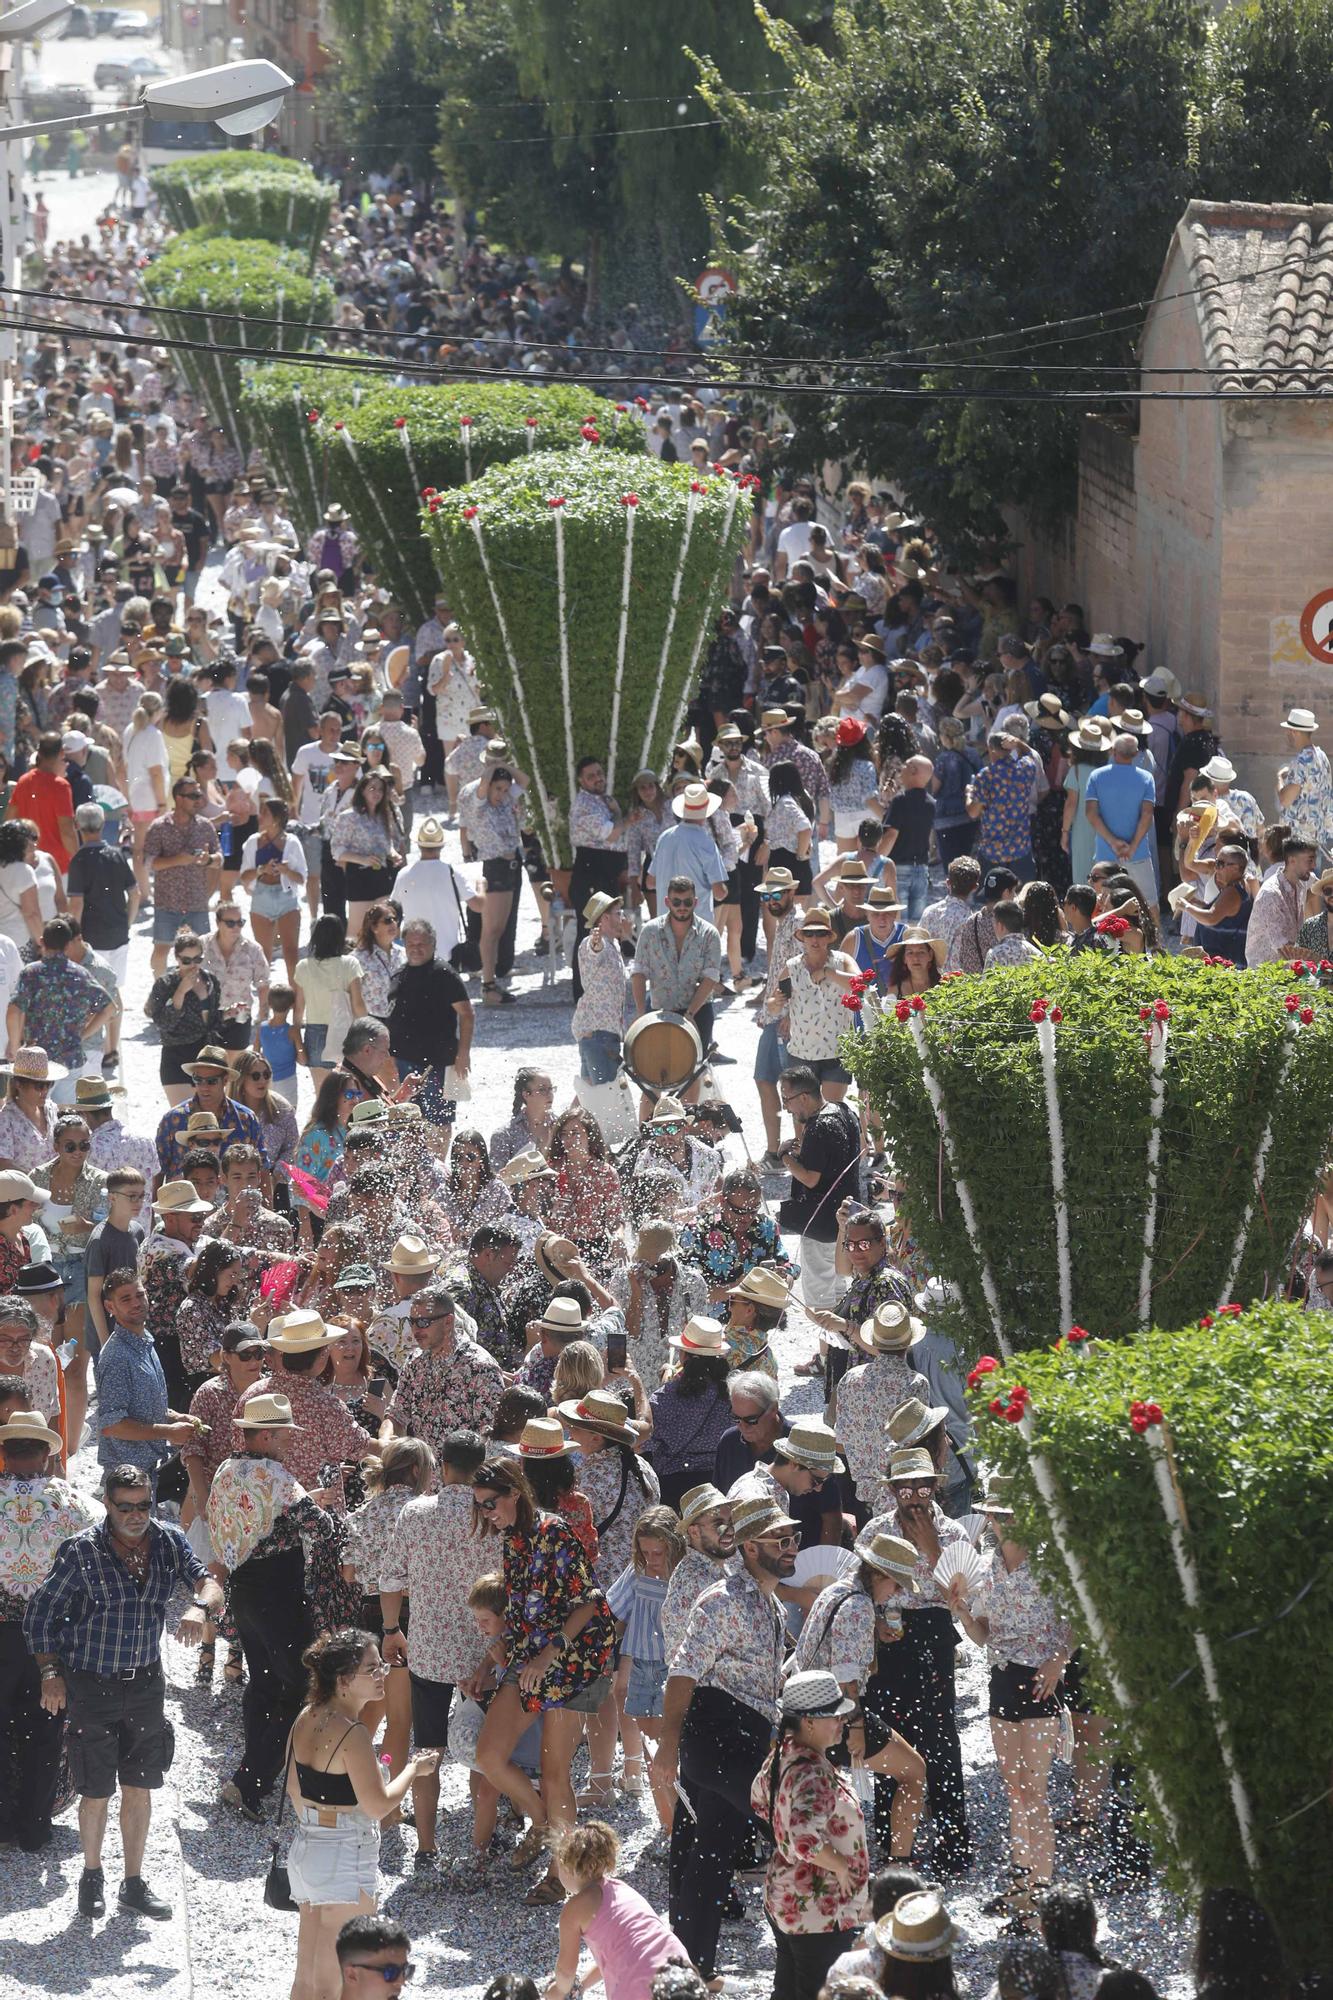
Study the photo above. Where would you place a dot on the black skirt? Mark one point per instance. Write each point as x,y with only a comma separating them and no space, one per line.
1012,1698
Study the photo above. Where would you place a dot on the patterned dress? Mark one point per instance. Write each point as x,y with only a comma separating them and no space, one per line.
810,1806
546,1576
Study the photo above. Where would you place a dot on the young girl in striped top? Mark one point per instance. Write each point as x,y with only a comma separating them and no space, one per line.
636,1599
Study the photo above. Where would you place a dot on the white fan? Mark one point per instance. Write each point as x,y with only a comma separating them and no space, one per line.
972,1526
959,1559
823,1562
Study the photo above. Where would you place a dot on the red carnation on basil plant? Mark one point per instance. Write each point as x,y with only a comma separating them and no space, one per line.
1298,966
1232,1311
338,426
465,423
697,486
429,492
1038,1011
903,1011
996,1407
987,1365
557,501
1014,1414
468,512
629,499
531,423
1160,1011
1057,1015
641,403
1291,1003
622,407
1206,1321
312,416
1306,1016
590,434
1079,1333
917,1003
400,423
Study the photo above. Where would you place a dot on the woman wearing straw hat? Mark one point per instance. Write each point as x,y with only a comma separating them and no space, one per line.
917,1941
1029,1645
815,1886
691,1410
915,961
840,1635
657,1291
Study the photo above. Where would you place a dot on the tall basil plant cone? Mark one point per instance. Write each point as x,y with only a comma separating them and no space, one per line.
588,604
229,294
1109,1140
289,408
394,442
247,194
1175,1492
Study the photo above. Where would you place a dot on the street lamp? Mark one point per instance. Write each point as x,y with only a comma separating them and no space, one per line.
21,23
239,97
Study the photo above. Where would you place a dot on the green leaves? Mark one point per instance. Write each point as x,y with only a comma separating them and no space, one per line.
1232,1064
495,547
256,195
1248,1409
202,273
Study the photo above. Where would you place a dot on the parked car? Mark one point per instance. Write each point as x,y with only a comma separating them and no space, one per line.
56,100
78,25
127,72
130,21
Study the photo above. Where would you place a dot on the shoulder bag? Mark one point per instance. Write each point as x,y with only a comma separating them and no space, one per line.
277,1887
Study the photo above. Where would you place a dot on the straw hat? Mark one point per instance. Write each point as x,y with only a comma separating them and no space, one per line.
813,1692
301,1331
654,1241
1104,646
527,1165
1132,722
1086,737
914,1464
999,1491
912,1421
600,1412
700,1336
762,1288
412,1257
882,899
668,1110
812,1445
693,804
430,836
700,1500
544,1437
1193,703
815,923
1047,712
267,1413
919,1929
599,903
29,1427
891,1556
918,934
1219,770
203,1125
892,1329
179,1198
756,1515
479,715
562,1316
33,1065
1299,718
775,718
209,1058
1161,681
777,879
551,1251
370,1111
852,871
91,1093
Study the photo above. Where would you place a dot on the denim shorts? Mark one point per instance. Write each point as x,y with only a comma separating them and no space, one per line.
436,1108
599,1056
74,1276
315,1034
647,1686
770,1058
272,899
166,923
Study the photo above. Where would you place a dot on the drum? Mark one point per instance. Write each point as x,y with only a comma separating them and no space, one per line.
663,1051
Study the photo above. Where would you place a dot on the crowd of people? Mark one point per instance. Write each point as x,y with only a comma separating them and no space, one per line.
458,1424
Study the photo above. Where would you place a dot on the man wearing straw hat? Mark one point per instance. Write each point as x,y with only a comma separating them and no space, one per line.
706,1520
719,1712
325,1433
689,849
38,1511
869,1394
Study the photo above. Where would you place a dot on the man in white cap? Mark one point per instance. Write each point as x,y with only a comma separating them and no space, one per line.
253,1497
38,1511
688,848
718,1715
433,888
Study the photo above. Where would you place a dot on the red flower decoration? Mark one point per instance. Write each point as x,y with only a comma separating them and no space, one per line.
629,499
987,1365
917,1003
903,1011
590,434
400,423
851,1002
1160,1011
1326,965
337,426
1020,1395
433,507
641,403
1306,1016
1078,1333
1206,1321
1014,1414
1230,1312
1299,966
996,1408
1145,1013
558,501
1112,926
465,423
531,423
468,513
1141,1415
1291,1003
622,407
312,416
429,492
1038,1012
1057,1015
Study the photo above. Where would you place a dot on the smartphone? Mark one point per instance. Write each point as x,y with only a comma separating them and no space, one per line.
378,1384
616,1351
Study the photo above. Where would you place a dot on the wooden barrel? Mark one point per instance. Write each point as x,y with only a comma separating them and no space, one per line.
663,1051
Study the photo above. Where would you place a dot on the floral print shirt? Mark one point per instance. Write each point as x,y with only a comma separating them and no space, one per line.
734,1640
839,1634
377,968
600,1008
867,1398
1310,815
56,998
599,1480
813,1806
693,1575
239,977
163,1268
1003,790
328,1433
816,1017
246,1499
370,1530
433,1554
36,1516
1026,1630
725,1254
928,1595
591,1208
546,1576
214,1403
318,1152
439,1393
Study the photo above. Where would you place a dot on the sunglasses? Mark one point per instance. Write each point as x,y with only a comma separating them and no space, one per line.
415,1319
190,795
131,1506
196,958
229,923
264,1075
388,1973
747,1423
782,1541
489,1506
77,1146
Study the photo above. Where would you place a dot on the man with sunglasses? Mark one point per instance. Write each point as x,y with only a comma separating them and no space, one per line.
210,1073
182,852
95,1629
373,1958
679,960
718,1717
450,1383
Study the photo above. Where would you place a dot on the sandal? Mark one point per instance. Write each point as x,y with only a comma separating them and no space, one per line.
632,1781
532,1844
234,1671
203,1672
599,1790
495,996
547,1893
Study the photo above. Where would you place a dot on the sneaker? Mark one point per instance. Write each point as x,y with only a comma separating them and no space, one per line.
135,1894
92,1893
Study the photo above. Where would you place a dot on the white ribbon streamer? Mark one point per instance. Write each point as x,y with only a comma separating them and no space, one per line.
548,816
409,589
559,513
917,1030
646,757
625,576
465,432
688,685
1156,1100
303,425
1055,1127
1256,1178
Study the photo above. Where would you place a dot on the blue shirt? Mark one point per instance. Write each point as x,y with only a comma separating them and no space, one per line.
638,1600
90,1612
692,851
235,1119
1119,792
130,1383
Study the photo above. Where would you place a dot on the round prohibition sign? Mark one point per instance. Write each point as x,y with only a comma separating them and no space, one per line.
1317,628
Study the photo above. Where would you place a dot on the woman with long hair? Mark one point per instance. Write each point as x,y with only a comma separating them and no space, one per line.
274,778
915,961
789,827
147,778
185,1003
531,1122
320,1146
403,1471
379,955
339,1797
852,779
557,1652
367,841
273,873
1237,1951
492,810
252,1086
894,745
647,817
1043,922
21,917
690,1411
327,984
210,1304
474,1192
76,1199
1087,753
589,1204
184,729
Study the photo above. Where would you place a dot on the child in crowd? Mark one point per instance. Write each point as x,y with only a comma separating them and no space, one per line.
628,1939
487,1602
201,1169
636,1599
279,1038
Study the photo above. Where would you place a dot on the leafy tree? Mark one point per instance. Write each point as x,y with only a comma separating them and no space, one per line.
1266,133
387,103
948,171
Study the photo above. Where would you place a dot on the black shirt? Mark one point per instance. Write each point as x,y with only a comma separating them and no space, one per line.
103,876
194,531
423,1027
912,813
831,1146
735,1459
298,719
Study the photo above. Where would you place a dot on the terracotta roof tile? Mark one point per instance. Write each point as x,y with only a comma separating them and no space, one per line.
1263,280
